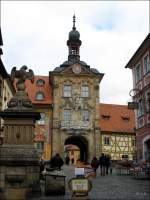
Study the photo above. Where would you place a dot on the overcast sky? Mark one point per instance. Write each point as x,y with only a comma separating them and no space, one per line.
35,34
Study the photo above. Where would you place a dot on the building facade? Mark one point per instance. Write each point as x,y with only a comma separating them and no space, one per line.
117,125
6,87
40,94
76,103
140,66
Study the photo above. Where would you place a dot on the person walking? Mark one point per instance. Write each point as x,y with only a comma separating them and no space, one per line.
56,162
95,164
107,163
42,167
72,161
67,160
102,163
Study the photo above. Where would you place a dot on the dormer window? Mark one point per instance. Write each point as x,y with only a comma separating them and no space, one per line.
105,116
40,96
40,82
125,118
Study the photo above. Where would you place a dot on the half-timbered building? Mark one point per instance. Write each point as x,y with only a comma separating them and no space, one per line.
117,127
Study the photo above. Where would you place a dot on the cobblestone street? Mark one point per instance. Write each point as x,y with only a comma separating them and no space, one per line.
110,187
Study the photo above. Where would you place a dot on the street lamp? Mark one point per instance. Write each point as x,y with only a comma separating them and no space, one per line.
138,100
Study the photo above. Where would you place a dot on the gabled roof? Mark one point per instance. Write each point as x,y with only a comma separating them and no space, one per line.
139,52
85,70
46,89
116,118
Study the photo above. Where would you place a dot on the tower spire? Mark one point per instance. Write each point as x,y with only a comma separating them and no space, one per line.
74,20
74,43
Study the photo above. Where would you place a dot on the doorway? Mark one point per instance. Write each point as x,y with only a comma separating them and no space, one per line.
81,143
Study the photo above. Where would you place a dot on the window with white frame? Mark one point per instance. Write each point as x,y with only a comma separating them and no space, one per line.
141,108
67,90
148,102
85,115
138,73
146,64
85,91
67,115
106,141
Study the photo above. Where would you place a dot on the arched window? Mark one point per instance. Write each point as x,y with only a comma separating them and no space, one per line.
40,96
40,82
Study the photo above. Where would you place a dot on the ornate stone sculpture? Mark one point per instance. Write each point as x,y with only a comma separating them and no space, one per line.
21,101
22,75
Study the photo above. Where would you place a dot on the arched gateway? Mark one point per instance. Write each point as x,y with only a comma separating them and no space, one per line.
80,142
76,103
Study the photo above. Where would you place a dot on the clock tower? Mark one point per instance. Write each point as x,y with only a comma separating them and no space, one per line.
76,103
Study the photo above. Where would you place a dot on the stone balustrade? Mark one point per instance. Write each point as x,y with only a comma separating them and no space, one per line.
77,125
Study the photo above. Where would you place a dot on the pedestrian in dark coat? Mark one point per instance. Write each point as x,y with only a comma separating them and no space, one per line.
107,163
56,162
41,167
67,160
102,163
72,161
95,163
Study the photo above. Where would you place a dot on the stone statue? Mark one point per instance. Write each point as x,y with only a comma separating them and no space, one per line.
77,101
20,101
21,75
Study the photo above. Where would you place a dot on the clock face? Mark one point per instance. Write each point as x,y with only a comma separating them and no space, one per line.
76,69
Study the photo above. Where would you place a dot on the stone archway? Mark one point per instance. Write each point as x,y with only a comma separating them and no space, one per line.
80,142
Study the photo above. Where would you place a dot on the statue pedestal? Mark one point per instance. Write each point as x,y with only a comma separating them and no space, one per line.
19,160
19,170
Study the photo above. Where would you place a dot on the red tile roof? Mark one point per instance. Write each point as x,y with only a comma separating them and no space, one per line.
116,118
32,89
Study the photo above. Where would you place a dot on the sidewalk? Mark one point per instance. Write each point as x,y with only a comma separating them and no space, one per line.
110,187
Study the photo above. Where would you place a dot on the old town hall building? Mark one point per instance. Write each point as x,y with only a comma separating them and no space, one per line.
73,121
76,102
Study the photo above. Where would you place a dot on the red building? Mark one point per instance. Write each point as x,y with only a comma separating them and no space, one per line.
140,66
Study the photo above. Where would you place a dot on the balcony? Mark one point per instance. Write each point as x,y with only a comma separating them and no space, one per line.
76,125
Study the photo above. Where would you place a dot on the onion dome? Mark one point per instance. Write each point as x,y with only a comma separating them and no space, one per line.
74,34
